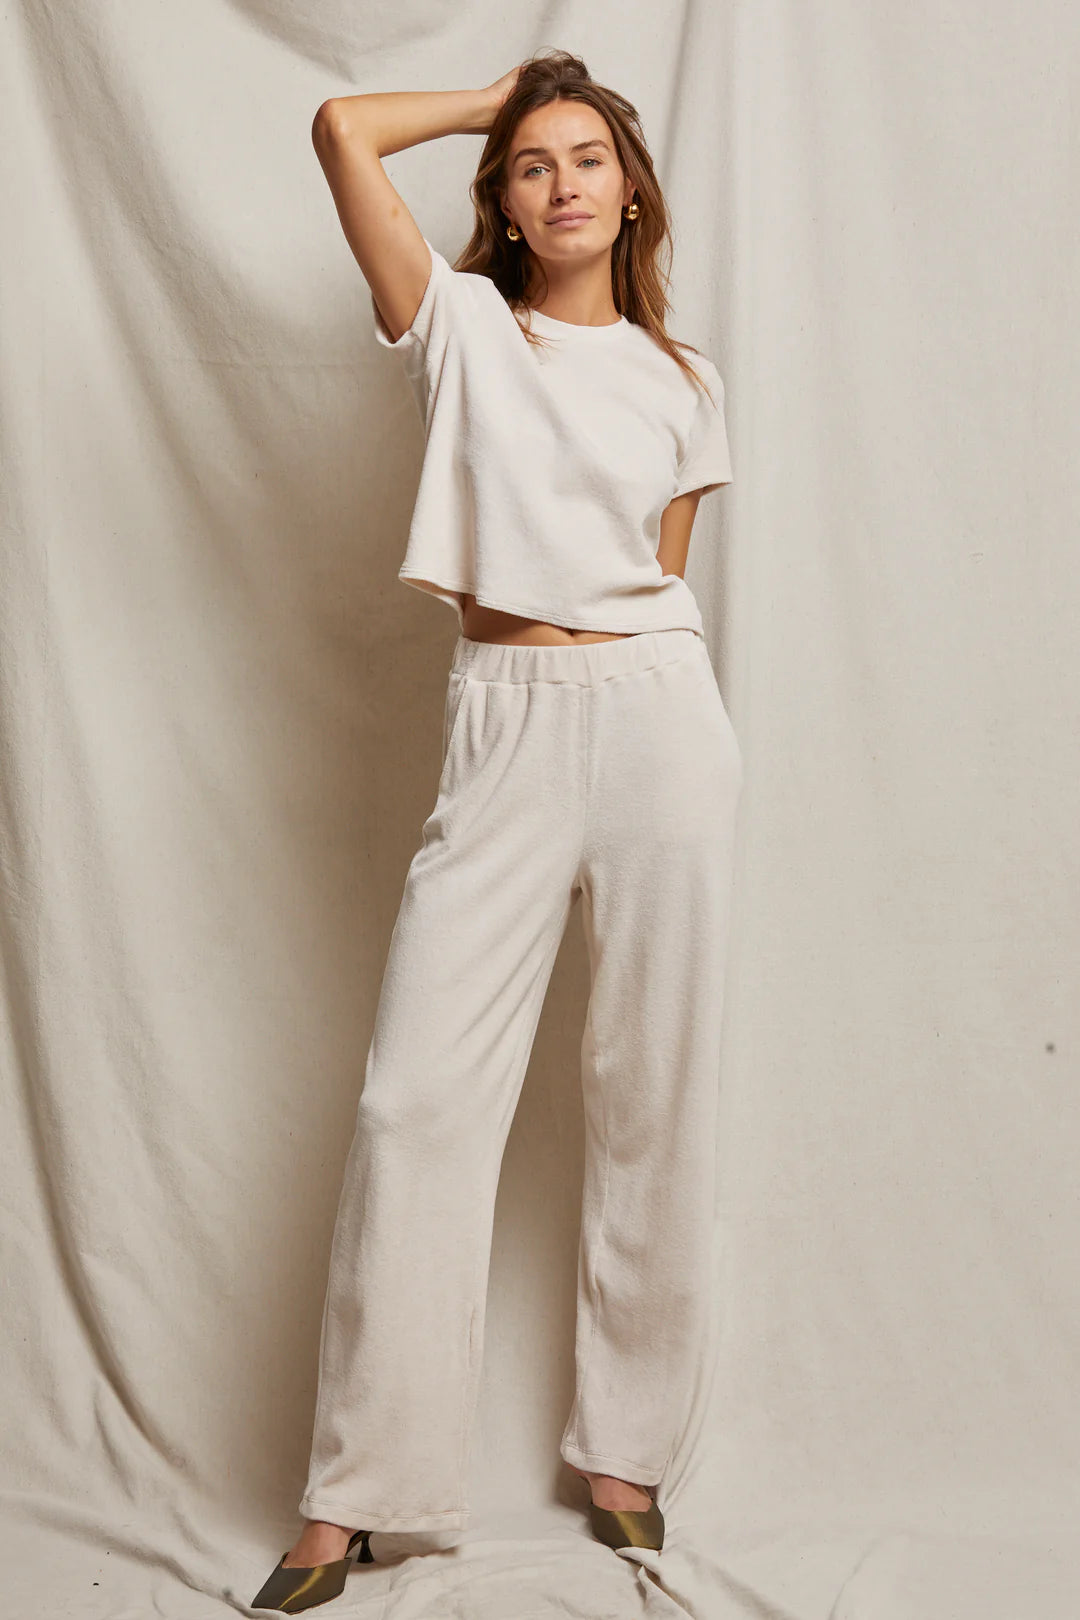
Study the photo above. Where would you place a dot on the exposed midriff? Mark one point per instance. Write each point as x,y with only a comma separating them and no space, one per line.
492,624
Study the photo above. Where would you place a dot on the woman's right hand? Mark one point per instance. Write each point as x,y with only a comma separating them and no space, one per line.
497,93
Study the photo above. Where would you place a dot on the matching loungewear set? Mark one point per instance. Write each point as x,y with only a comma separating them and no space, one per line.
605,770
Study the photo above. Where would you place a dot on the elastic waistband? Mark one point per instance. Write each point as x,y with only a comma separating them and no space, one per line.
581,664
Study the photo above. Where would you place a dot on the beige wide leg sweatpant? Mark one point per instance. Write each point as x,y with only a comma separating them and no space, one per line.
608,770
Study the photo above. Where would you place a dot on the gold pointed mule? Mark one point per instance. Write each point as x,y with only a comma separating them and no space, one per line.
293,1589
625,1527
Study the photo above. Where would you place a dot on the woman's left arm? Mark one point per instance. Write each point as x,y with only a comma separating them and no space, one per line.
675,526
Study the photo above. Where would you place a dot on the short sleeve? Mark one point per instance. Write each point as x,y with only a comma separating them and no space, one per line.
705,463
442,308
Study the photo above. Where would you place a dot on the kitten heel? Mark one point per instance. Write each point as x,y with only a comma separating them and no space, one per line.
297,1588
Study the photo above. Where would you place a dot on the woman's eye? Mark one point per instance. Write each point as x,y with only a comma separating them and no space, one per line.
540,165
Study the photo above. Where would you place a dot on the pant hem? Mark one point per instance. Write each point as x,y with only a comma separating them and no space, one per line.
599,1462
355,1518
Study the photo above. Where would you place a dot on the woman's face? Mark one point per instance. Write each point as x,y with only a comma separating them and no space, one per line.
562,160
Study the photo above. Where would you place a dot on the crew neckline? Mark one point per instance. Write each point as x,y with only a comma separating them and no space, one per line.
558,328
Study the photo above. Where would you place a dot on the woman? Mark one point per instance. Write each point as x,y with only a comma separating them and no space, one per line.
586,753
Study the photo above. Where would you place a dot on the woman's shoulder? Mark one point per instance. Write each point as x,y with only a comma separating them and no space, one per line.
474,284
697,357
701,363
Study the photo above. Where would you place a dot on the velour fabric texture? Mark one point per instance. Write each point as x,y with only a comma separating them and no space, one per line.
220,719
548,465
610,773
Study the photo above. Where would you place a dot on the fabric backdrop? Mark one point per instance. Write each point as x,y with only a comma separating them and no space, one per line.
221,721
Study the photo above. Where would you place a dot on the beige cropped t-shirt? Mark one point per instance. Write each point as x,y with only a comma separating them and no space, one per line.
546,470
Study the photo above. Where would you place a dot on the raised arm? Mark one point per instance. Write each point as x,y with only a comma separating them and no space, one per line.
351,135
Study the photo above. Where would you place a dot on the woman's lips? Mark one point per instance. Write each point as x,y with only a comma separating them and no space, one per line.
565,224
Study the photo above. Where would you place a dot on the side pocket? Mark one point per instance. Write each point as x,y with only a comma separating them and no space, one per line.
456,688
714,700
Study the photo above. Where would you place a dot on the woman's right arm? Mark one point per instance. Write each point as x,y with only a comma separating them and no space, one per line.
351,136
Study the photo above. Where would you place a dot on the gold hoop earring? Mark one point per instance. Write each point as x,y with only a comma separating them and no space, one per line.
631,212
513,233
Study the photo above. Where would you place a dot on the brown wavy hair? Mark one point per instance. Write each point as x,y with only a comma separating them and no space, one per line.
638,283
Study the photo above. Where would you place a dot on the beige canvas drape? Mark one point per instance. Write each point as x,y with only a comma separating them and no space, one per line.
219,735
